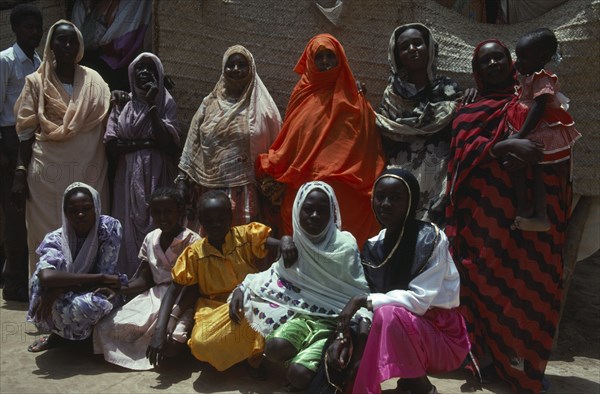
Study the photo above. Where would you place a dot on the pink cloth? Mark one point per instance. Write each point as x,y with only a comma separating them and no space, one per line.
404,345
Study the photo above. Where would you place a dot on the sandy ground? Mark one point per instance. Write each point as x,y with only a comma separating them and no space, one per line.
72,368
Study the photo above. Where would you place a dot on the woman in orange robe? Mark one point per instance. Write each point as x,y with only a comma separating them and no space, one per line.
329,135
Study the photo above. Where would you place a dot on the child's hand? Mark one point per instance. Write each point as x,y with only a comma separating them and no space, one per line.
236,306
289,252
156,349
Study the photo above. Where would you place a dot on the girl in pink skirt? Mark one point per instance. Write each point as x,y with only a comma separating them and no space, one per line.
416,327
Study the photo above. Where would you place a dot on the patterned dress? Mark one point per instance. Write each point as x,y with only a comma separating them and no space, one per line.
74,314
511,281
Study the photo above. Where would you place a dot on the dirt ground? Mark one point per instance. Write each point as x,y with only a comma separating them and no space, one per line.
574,368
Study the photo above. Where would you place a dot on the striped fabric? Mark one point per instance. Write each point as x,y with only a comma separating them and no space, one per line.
511,280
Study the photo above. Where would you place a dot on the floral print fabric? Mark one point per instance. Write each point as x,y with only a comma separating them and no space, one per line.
74,314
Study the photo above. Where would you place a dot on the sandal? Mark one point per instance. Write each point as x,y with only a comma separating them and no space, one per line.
44,342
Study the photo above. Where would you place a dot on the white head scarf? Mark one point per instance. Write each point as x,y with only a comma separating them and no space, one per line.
326,275
84,261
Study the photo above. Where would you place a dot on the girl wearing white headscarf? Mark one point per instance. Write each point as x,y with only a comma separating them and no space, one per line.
237,121
280,302
67,290
59,120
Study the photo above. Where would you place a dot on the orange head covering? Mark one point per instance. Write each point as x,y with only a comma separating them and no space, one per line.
328,134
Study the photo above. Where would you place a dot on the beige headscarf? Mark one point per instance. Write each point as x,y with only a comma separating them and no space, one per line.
226,135
45,106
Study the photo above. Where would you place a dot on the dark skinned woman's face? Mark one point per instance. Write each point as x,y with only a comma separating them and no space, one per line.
80,212
325,60
493,65
65,44
411,50
315,212
145,73
237,67
390,202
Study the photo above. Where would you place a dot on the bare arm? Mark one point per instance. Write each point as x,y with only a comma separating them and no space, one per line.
19,191
141,282
51,278
156,348
533,116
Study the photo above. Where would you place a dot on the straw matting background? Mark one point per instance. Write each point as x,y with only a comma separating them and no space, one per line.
190,36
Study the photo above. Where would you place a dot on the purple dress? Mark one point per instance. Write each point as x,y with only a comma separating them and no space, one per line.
74,314
142,171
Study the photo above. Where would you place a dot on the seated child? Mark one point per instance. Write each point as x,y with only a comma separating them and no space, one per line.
124,335
294,306
216,264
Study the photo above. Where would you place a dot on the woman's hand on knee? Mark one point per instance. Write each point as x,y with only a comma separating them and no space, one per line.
289,252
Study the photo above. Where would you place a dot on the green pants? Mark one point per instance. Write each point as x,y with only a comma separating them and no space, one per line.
308,335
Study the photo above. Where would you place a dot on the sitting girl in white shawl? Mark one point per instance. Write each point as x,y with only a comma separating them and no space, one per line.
295,305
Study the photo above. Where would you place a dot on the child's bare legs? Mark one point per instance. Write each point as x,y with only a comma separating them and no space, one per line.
524,207
541,211
534,218
280,350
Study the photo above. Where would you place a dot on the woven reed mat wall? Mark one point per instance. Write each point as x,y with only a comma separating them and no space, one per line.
52,10
191,37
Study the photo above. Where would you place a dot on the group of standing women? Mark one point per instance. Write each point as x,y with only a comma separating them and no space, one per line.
447,168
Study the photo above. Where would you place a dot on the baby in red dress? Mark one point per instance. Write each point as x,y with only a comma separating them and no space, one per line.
539,114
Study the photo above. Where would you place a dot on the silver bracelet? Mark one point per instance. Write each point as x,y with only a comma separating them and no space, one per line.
180,178
21,168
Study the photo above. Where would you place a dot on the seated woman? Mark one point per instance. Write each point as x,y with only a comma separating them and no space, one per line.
416,113
235,122
73,285
215,264
124,335
329,135
417,329
142,140
511,280
295,306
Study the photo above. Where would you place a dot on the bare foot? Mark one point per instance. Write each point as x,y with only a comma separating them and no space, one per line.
530,224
